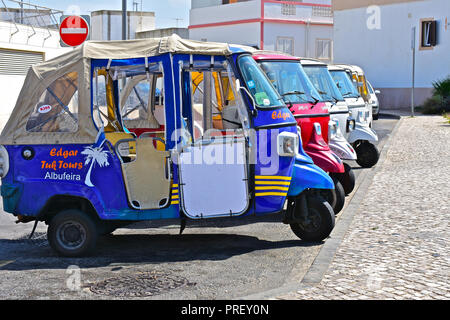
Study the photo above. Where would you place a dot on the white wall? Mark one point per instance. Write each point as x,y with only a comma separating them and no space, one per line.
11,85
246,34
385,54
104,28
302,48
229,12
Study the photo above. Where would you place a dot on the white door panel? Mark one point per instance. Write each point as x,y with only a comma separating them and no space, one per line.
211,187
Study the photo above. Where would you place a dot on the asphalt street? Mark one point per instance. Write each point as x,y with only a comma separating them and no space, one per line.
210,262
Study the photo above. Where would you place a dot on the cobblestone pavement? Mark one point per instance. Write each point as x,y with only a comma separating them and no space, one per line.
397,246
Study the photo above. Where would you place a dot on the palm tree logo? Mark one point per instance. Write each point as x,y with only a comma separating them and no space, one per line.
94,155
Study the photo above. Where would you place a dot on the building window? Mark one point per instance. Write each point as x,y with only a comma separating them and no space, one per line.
324,49
428,33
285,45
288,9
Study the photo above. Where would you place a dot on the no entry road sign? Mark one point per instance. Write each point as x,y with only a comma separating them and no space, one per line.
74,30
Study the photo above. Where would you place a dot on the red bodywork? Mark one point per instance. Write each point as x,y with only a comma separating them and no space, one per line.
307,115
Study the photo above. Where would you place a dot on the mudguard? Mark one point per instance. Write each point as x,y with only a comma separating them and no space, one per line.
308,176
362,133
340,146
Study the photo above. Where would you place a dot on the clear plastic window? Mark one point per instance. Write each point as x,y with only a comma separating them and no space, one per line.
264,94
345,85
324,83
291,81
57,109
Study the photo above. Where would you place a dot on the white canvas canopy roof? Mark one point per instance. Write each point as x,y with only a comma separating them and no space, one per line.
41,76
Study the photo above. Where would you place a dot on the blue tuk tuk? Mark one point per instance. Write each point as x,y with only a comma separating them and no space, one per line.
68,158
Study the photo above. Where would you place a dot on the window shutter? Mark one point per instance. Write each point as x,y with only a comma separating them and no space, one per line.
433,33
14,62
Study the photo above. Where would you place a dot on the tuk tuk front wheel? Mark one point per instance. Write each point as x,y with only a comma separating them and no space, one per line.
340,196
335,197
72,233
367,154
348,179
319,222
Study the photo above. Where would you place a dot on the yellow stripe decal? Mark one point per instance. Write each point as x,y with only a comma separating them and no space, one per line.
282,183
265,194
272,188
174,186
175,196
273,178
175,202
175,191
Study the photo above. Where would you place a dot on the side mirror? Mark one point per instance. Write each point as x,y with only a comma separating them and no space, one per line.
239,87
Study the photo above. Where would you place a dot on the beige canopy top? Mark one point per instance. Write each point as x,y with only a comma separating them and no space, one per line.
69,76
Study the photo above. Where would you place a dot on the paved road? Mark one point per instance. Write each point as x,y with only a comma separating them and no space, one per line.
396,244
204,263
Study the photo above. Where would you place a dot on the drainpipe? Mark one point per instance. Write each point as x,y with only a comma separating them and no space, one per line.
124,19
308,23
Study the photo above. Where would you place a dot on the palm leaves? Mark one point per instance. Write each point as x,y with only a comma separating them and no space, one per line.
442,88
94,155
439,102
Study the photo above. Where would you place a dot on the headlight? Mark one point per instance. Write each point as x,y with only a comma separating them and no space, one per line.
361,116
332,128
288,144
318,128
351,124
4,162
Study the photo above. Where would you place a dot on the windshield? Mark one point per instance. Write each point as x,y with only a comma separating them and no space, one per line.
291,81
263,92
345,84
324,83
369,86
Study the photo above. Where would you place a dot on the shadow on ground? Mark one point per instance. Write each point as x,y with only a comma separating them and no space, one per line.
23,254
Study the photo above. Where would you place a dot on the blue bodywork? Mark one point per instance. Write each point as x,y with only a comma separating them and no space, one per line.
61,170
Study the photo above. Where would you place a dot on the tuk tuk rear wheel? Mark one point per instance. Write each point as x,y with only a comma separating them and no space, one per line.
319,223
367,154
72,233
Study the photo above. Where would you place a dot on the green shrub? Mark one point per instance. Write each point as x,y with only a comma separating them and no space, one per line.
439,102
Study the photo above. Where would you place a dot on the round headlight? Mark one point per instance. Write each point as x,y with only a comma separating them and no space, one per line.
351,124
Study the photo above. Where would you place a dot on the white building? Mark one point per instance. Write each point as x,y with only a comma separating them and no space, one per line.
377,35
295,27
22,45
107,24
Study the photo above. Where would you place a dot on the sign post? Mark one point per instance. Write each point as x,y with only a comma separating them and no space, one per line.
74,30
413,48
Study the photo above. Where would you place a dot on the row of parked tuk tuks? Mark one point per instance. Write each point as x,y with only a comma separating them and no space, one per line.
172,130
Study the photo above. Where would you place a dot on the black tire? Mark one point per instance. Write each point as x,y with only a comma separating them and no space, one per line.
340,196
72,233
321,223
348,179
375,116
367,154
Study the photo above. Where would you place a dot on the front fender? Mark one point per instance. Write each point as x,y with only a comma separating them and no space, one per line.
362,133
342,149
308,176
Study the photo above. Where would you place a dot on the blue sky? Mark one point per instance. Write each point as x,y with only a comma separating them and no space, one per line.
166,10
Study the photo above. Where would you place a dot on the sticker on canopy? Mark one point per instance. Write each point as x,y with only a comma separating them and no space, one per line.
45,108
251,84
